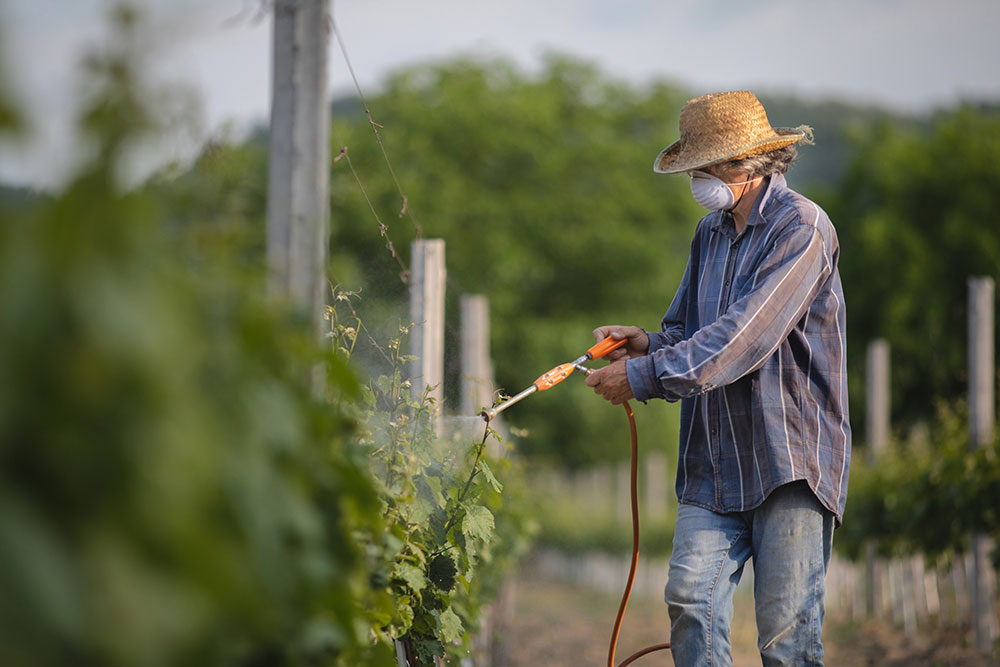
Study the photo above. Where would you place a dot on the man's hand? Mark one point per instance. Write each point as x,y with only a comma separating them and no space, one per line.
637,345
611,382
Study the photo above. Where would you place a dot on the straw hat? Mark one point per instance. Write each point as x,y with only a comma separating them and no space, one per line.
724,126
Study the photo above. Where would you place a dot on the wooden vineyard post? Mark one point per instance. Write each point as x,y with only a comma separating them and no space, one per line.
877,399
877,437
477,369
298,206
427,296
427,291
982,415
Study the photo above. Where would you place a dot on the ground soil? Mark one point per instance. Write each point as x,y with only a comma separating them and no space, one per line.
555,624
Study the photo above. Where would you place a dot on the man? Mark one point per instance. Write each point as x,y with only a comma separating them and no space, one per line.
753,345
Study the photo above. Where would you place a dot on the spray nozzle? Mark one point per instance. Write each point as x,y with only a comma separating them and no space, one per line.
558,374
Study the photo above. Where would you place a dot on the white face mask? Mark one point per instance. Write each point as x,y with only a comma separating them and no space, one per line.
712,192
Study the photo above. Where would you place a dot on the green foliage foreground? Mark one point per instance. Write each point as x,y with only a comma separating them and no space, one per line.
174,490
171,491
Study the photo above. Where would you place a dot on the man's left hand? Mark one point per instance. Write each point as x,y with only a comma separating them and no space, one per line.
611,382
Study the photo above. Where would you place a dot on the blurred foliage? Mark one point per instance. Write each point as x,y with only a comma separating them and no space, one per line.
175,485
917,216
172,491
836,125
926,497
566,529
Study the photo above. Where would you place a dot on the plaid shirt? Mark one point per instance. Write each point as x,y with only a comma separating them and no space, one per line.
754,345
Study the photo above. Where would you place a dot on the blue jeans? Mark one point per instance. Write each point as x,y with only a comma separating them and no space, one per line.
789,538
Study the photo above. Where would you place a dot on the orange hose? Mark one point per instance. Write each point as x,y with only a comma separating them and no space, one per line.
635,553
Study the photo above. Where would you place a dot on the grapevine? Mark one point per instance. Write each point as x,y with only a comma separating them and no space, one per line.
451,525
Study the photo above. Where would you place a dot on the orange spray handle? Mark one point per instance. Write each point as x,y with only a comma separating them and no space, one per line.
558,374
554,377
563,371
607,345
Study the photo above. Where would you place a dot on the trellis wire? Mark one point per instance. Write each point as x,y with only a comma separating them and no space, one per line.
405,209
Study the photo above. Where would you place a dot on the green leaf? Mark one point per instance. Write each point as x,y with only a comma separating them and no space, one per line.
412,575
405,614
451,626
368,396
427,649
484,468
417,554
421,511
438,521
384,385
478,523
434,484
392,545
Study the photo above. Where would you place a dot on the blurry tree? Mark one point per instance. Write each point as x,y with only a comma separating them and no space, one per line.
542,186
171,491
917,215
835,124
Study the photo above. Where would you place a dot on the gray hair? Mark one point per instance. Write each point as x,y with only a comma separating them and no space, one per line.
765,164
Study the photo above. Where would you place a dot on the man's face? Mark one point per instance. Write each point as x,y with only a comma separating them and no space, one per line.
725,173
737,180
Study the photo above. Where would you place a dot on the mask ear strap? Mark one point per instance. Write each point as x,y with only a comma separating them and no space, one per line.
755,178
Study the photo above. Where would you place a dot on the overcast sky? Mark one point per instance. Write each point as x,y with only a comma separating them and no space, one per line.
907,55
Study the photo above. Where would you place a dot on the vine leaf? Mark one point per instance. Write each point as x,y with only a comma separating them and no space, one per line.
420,511
451,626
367,395
478,523
434,484
384,385
484,468
428,648
406,616
412,575
439,525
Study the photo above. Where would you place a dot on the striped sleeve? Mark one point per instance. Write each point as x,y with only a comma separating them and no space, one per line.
752,327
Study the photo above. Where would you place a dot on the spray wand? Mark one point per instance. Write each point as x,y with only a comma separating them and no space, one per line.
558,374
549,380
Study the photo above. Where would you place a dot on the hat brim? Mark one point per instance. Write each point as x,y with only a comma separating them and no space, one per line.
669,162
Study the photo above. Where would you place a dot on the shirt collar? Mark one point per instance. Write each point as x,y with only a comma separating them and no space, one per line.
774,186
724,222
